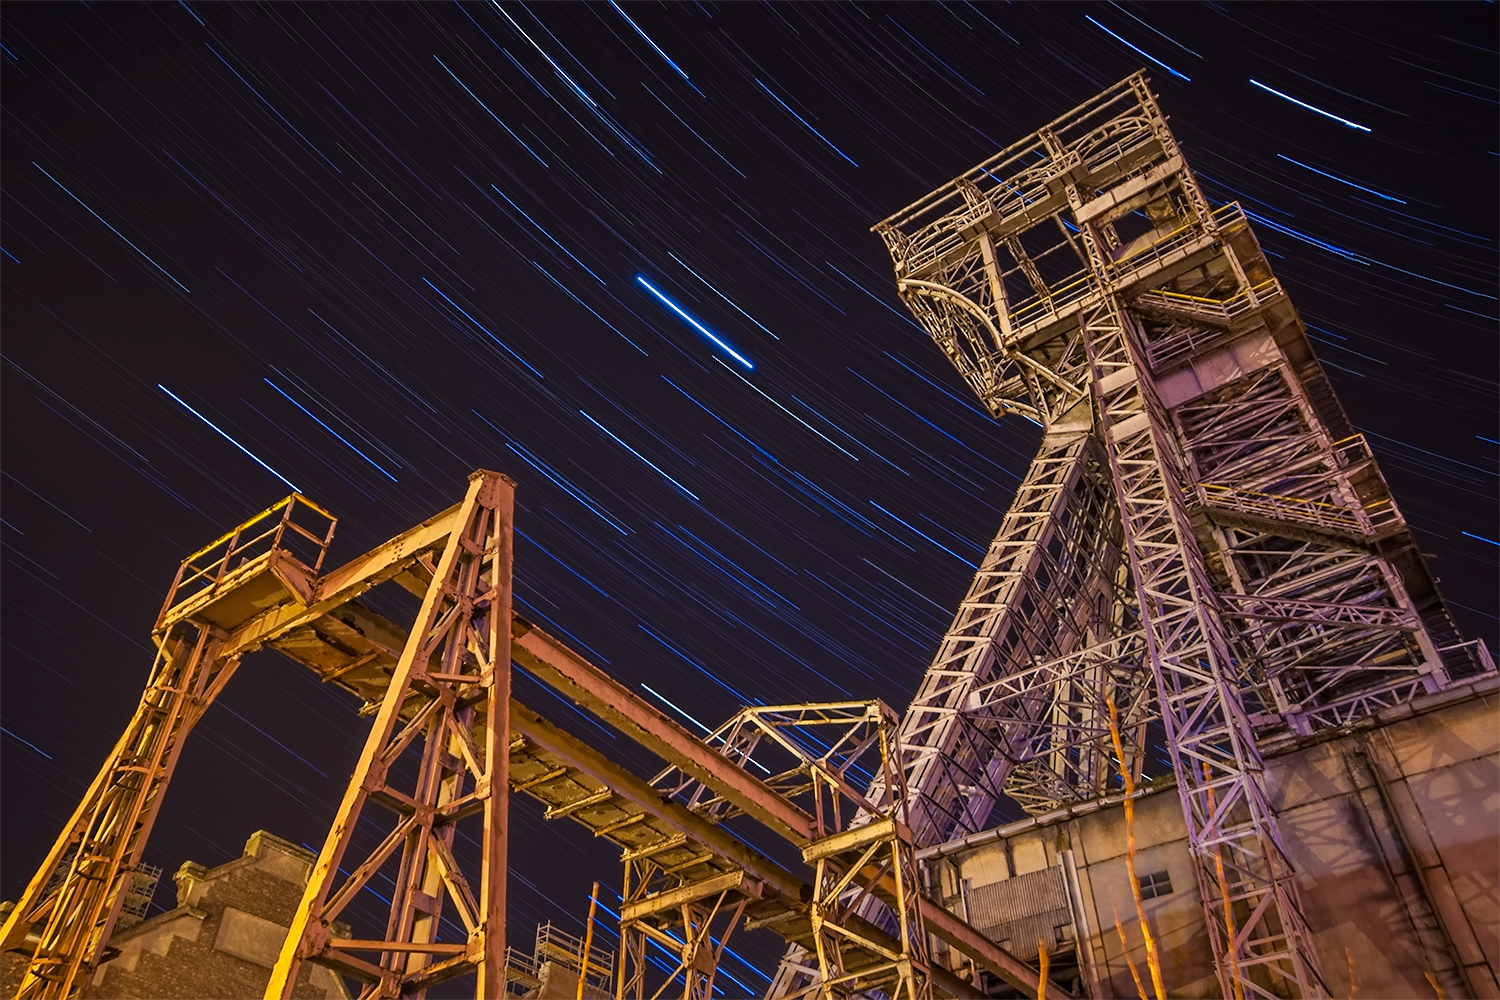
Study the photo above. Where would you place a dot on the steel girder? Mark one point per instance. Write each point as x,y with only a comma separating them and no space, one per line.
450,693
1049,587
1220,777
67,912
77,892
819,756
436,691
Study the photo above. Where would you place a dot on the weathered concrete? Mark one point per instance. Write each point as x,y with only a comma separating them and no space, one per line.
223,936
1393,827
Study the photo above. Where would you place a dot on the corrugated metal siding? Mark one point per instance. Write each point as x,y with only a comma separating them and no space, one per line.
1019,911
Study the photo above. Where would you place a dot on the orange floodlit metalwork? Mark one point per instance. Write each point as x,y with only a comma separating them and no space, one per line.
440,695
1153,960
1203,544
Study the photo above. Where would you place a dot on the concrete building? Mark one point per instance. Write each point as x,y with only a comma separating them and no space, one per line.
1393,825
220,940
223,936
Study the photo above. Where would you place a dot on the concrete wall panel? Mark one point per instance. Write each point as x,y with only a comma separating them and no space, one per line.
1387,903
1437,739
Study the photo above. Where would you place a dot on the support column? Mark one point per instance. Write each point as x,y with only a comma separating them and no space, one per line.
451,688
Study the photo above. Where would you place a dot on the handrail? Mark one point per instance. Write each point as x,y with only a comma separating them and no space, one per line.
208,575
1298,508
1123,89
1274,496
1481,653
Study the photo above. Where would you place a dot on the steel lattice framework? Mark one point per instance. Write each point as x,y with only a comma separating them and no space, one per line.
1202,542
1202,539
448,746
821,756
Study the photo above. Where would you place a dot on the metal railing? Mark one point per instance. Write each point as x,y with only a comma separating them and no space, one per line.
1065,299
251,544
1355,450
1474,652
1220,312
521,972
1223,310
1352,450
556,945
1175,245
1276,507
1055,304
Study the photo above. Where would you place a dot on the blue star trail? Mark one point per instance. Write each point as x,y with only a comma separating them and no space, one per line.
693,322
369,249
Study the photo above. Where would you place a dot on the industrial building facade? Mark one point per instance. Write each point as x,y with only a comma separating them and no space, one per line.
221,938
1393,828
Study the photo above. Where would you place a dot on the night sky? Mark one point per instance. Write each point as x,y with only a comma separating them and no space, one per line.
382,246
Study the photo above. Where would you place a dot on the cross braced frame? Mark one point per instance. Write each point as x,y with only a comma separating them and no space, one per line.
447,705
1265,579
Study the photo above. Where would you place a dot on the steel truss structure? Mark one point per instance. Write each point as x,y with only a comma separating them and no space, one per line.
448,745
820,756
1202,540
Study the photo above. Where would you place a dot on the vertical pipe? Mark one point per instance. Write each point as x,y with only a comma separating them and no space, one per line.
1152,960
1082,931
1234,967
588,941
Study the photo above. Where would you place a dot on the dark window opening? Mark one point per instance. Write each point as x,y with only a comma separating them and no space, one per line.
1155,884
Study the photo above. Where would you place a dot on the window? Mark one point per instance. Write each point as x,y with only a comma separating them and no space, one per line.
1155,884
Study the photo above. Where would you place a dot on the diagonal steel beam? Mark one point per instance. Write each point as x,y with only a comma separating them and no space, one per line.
963,938
586,685
575,753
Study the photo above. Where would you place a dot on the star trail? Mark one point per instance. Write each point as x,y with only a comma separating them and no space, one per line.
368,249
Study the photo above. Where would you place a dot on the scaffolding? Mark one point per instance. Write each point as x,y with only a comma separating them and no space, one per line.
529,975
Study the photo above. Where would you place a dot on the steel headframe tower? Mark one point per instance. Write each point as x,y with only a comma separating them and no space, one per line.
1202,540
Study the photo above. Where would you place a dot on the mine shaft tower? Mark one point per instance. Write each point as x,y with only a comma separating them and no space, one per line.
1202,540
1203,543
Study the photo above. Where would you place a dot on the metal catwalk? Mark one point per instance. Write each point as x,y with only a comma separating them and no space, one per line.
448,746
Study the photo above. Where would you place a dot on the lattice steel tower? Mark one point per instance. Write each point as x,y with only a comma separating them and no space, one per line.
1202,539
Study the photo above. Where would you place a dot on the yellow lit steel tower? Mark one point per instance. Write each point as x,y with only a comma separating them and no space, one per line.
449,745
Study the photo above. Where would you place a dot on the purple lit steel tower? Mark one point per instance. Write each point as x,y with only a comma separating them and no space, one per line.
1203,539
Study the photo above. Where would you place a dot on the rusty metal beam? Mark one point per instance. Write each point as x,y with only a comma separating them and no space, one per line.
944,983
385,562
586,685
454,670
939,921
670,900
636,789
